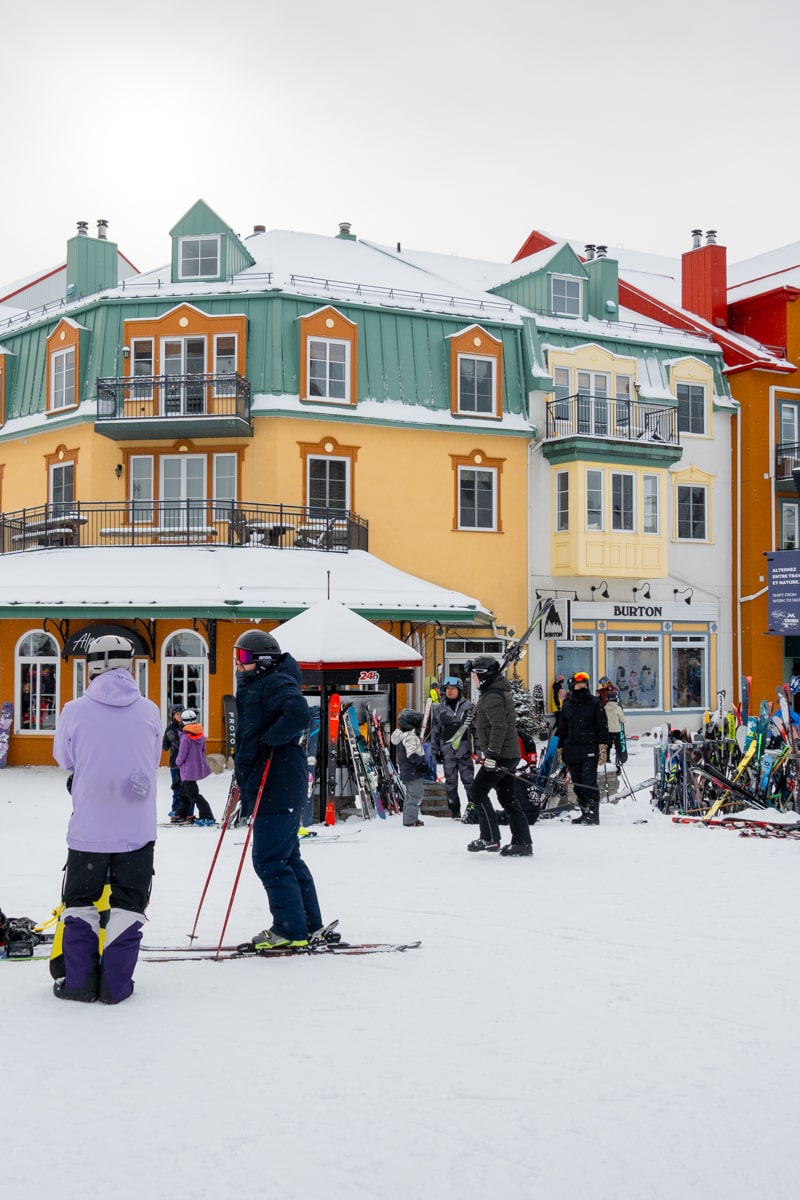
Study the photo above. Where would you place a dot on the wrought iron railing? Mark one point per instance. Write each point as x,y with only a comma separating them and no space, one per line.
590,415
787,459
148,397
182,523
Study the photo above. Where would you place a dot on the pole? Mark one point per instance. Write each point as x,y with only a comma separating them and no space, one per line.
225,824
244,850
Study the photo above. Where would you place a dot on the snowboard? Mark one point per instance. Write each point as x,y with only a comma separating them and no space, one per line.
312,742
6,717
229,710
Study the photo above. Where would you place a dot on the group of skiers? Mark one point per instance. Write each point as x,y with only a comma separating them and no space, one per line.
185,741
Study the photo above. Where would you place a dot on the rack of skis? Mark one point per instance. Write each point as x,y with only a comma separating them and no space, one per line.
736,762
362,752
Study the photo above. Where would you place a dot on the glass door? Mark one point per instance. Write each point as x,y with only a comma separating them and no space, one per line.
183,359
183,491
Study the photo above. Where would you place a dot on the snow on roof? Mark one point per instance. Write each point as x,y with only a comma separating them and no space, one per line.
391,412
219,581
764,273
329,634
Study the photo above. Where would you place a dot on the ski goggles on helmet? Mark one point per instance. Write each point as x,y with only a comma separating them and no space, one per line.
244,656
451,681
580,677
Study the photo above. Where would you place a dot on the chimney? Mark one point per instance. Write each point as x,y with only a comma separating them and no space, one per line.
399,248
704,279
102,230
344,232
83,228
602,251
588,252
259,229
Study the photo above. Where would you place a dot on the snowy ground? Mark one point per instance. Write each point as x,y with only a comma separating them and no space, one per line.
615,1018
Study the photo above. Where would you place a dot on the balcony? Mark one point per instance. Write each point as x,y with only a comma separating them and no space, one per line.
182,523
787,459
629,430
159,406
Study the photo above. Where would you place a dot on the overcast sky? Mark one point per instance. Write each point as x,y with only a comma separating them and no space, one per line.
447,125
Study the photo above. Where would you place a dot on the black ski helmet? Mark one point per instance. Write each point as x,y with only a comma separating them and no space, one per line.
485,667
408,719
263,647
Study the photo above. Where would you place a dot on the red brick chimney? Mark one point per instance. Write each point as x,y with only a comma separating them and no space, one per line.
705,279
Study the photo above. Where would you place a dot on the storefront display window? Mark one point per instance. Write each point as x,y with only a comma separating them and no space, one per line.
633,666
37,680
689,672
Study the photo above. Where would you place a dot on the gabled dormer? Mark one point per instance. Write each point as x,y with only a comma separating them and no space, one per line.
205,249
553,282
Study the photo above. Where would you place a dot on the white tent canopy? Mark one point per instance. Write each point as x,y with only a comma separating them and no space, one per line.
330,635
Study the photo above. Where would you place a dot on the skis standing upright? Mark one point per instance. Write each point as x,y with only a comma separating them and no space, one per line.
229,711
394,794
334,713
361,748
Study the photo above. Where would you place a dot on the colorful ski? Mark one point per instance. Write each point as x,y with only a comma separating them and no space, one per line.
746,683
370,769
334,715
227,954
6,718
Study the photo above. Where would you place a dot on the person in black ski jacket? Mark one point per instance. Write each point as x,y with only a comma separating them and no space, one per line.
270,758
171,742
496,728
448,715
582,729
411,765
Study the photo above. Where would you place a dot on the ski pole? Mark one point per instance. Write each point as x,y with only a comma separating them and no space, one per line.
244,850
229,809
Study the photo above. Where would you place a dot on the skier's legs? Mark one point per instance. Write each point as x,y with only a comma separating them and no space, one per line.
84,881
450,764
509,801
274,848
484,782
130,876
415,791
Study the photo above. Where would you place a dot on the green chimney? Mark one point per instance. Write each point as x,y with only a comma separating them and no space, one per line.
91,262
602,290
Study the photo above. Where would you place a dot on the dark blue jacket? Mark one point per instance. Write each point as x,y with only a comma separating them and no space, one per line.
272,712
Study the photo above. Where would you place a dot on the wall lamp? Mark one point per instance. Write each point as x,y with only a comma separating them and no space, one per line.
601,587
644,588
556,592
126,351
118,470
686,593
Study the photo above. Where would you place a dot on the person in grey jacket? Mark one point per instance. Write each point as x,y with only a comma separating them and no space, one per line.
448,715
411,765
496,728
110,739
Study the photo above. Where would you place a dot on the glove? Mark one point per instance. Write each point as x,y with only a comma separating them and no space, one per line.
490,764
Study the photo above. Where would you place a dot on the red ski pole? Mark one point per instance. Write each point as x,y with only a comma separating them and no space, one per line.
244,850
229,809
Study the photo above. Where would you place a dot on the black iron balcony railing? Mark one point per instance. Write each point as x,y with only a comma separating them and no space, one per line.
182,523
590,415
787,459
148,397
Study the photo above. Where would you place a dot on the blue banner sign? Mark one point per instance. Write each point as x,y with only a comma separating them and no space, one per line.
784,592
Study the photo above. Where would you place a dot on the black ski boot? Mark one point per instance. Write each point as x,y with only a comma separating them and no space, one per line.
517,850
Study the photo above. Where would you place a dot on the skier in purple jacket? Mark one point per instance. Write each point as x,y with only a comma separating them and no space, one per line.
193,765
110,739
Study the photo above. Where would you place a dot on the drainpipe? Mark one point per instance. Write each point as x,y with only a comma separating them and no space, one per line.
739,672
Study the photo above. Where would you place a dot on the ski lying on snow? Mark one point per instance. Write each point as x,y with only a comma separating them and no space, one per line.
779,827
208,954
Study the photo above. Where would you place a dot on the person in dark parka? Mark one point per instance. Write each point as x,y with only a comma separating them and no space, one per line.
273,718
582,729
496,729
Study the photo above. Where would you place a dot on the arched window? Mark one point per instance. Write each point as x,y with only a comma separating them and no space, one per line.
185,673
36,674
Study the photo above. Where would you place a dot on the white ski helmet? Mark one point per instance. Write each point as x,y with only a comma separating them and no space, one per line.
188,716
107,652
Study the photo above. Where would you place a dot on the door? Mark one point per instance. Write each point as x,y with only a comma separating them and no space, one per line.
184,363
183,491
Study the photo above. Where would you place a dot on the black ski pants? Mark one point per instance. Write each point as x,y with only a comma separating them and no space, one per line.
583,773
505,785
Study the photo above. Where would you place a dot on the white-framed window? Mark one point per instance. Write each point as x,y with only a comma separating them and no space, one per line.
80,678
650,513
477,385
224,467
140,675
183,490
198,257
633,664
691,408
593,403
62,487
561,392
141,471
225,364
142,367
567,296
562,502
184,673
594,500
689,671
329,369
477,498
623,502
790,525
62,378
692,512
36,690
328,484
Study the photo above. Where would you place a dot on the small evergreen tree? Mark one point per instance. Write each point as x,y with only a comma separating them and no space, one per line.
523,707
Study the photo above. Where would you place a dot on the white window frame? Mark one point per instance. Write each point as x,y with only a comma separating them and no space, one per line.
227,388
202,256
700,387
476,412
80,678
599,489
654,518
140,674
702,487
463,471
141,504
573,305
630,508
55,470
39,661
329,458
699,643
790,525
328,342
199,662
562,502
224,495
142,350
62,366
630,643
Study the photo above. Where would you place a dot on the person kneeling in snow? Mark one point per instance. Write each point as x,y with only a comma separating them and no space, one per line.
111,740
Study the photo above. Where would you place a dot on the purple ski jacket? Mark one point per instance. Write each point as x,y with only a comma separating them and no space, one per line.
191,759
111,740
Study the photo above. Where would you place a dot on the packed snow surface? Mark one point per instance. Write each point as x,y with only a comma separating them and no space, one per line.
614,1019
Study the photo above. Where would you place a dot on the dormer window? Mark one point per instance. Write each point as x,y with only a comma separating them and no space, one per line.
199,258
567,296
476,373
